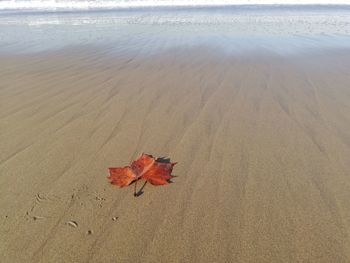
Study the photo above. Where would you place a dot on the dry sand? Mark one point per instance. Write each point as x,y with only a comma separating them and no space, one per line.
262,145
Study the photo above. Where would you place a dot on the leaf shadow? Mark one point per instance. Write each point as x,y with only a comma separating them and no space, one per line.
140,192
163,160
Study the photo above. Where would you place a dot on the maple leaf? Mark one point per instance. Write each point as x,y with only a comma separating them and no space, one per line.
121,176
156,171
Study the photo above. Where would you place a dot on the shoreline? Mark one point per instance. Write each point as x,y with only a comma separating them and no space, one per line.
287,31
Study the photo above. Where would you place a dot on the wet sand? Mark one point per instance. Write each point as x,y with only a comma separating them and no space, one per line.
262,144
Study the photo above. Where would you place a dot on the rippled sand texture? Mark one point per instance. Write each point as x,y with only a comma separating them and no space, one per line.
262,145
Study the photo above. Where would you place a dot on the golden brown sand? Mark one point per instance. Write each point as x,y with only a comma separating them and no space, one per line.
262,145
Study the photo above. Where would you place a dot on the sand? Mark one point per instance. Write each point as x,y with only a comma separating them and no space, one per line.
262,144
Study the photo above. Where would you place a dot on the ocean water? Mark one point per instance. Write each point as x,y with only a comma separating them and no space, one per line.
55,5
234,28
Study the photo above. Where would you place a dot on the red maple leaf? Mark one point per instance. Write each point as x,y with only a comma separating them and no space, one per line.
156,171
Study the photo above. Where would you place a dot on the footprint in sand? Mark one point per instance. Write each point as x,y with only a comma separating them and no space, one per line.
33,217
40,200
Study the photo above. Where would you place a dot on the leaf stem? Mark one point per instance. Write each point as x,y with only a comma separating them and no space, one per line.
135,194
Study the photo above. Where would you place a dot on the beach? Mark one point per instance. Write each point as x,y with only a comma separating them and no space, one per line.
261,139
